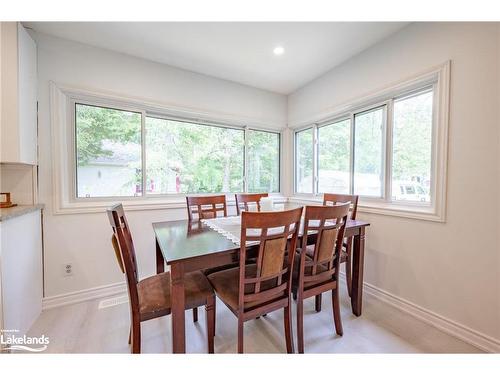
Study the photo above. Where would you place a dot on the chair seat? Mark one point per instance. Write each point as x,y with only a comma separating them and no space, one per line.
154,293
226,285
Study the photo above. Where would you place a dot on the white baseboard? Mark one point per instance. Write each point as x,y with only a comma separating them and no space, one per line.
466,334
84,295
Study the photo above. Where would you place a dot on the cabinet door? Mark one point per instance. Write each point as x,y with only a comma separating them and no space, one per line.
27,97
9,150
22,279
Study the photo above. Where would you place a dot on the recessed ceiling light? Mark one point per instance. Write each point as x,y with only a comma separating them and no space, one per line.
278,50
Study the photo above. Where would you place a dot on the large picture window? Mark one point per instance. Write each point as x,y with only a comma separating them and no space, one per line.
384,152
114,146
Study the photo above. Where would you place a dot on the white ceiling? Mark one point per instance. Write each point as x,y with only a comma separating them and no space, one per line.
239,52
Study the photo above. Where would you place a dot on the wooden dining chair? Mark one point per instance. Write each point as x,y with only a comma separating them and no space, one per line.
346,255
252,290
317,272
206,207
242,201
150,297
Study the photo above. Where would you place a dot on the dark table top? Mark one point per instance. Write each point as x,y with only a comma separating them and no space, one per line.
180,240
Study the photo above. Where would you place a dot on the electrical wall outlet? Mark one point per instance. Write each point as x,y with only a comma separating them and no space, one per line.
68,269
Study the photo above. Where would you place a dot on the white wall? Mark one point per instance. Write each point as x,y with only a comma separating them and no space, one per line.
449,268
84,239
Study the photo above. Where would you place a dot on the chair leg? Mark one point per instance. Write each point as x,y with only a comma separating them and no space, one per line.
210,310
136,336
240,335
336,312
318,303
300,325
348,270
130,334
195,314
288,327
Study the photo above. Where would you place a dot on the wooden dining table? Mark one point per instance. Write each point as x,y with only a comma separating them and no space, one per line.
190,246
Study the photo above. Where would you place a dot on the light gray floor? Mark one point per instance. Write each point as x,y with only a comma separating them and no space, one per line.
83,328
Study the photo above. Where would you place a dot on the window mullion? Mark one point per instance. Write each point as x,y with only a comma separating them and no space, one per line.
143,153
351,157
245,160
389,125
295,162
315,160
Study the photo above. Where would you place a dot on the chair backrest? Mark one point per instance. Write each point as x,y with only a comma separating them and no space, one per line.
327,225
206,207
124,251
275,232
242,201
333,199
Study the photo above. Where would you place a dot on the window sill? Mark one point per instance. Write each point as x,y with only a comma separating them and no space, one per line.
141,204
382,208
179,202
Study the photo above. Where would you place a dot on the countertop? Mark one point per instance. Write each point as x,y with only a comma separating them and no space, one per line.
12,212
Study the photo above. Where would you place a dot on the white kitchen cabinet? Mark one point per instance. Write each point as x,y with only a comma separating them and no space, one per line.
18,109
21,269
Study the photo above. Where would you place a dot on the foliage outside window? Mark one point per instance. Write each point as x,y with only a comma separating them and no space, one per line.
334,157
352,152
412,148
108,152
368,155
180,157
263,161
304,161
183,157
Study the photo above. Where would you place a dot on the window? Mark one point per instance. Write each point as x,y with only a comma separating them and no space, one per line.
390,150
412,147
183,157
263,161
114,146
334,157
108,152
304,161
368,154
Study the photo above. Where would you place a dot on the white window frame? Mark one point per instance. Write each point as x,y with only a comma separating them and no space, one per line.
63,99
295,180
439,79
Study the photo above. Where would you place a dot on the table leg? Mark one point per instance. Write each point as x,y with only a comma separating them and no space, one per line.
358,254
160,261
178,304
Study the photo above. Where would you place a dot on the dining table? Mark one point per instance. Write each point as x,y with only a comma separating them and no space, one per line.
187,246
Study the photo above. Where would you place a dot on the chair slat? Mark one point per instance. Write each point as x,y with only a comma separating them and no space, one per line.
206,207
248,198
